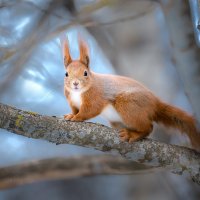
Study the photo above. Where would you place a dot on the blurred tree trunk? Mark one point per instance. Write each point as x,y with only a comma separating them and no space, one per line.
185,53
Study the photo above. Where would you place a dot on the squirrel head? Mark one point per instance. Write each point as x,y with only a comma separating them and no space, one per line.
78,75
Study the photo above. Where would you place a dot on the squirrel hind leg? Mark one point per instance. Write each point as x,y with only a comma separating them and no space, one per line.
131,135
117,125
128,134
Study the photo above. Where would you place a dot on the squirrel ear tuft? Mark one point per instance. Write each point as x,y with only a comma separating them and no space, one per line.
84,51
65,50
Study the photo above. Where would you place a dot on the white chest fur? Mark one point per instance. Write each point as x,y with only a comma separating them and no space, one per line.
110,113
76,98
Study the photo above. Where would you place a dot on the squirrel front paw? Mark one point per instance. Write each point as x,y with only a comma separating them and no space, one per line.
68,116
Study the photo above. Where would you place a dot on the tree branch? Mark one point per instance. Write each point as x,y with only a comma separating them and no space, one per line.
67,168
100,137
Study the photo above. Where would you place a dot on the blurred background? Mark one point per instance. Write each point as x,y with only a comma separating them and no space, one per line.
134,38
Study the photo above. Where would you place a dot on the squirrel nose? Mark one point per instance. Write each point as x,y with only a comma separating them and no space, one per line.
75,83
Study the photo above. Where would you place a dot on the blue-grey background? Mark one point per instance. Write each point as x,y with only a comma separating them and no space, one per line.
31,73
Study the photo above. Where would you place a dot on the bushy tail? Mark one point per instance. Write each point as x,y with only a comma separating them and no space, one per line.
177,118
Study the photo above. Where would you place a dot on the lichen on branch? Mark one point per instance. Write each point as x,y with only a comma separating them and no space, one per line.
86,134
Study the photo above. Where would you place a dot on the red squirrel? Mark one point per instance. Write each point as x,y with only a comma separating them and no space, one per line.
128,105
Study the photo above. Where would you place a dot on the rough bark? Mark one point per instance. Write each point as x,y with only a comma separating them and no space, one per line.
97,136
67,168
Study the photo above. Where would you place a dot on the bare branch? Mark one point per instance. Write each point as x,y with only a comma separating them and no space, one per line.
100,137
94,23
67,168
38,35
18,57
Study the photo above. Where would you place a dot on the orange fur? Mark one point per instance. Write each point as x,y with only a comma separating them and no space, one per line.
130,103
179,119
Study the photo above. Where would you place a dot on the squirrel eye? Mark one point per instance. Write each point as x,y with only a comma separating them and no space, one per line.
66,74
85,73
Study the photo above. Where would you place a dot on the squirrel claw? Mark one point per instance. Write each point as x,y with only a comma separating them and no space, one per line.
128,136
123,134
68,116
76,119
